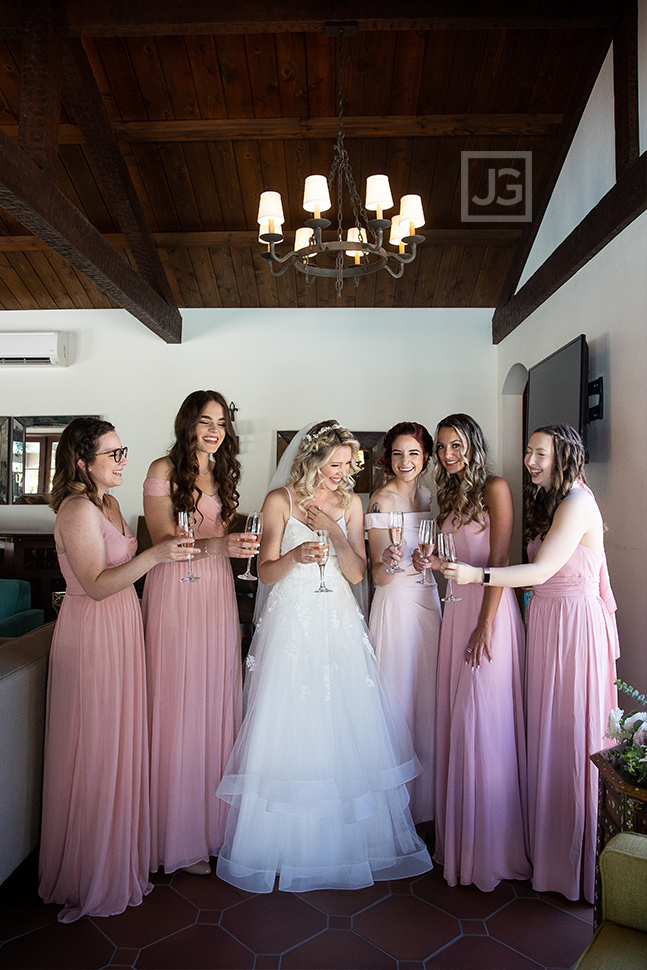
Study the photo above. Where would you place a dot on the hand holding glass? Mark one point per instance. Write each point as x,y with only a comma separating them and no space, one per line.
396,535
321,553
185,523
447,550
254,524
426,543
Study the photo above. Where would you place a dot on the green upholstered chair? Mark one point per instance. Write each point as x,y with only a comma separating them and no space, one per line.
16,614
620,942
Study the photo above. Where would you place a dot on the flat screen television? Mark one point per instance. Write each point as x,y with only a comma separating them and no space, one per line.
558,388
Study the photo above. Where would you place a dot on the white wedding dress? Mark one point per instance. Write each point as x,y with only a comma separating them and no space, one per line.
317,778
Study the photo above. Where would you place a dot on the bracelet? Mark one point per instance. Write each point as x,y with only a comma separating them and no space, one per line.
212,555
486,577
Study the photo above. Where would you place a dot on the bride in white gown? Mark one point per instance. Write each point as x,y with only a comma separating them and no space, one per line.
317,778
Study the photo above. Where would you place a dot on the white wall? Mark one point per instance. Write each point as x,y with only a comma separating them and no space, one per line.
587,174
367,368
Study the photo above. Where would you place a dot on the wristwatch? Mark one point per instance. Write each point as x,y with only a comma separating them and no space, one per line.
486,577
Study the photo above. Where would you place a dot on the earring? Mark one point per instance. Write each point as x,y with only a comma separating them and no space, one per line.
317,484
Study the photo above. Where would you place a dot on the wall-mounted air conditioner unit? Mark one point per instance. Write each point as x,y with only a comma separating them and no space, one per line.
34,348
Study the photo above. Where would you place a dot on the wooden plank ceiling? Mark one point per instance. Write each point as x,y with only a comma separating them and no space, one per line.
207,109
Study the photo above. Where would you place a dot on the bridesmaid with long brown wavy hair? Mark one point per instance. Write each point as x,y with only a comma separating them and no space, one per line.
193,636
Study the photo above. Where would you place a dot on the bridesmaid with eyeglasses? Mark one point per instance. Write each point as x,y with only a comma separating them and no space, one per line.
95,841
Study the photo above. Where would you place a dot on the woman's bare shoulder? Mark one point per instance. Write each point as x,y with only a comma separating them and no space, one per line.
382,500
161,468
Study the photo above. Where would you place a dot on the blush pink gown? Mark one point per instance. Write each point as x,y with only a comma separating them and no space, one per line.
405,628
194,674
572,649
95,841
480,744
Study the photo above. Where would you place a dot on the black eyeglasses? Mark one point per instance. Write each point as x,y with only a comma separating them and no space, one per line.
117,453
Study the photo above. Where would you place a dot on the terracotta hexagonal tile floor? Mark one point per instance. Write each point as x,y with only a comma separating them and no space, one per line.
201,923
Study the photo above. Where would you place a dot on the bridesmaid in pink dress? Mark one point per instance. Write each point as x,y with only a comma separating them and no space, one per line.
95,842
572,649
193,659
480,744
405,616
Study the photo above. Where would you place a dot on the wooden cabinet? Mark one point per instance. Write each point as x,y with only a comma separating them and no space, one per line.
33,557
622,807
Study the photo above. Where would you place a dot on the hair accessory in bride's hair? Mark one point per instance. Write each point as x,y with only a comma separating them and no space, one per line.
328,427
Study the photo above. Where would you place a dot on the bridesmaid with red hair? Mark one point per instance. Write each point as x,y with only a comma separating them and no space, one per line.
405,615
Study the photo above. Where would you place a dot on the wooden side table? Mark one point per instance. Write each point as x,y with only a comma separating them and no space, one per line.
622,807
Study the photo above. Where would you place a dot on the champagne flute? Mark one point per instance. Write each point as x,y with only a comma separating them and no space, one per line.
185,526
396,535
426,543
447,550
253,524
321,540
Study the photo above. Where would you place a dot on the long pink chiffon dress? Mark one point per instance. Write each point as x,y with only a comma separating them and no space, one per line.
95,841
572,649
194,673
405,629
480,745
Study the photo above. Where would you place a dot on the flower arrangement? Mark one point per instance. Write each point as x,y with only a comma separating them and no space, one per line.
630,732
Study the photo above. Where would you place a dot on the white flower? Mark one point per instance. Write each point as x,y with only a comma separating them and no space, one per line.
305,690
614,728
630,723
250,661
369,682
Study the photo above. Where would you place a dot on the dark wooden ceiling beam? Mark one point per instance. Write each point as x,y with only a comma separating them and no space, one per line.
86,102
41,72
122,18
625,89
36,202
373,126
614,212
246,239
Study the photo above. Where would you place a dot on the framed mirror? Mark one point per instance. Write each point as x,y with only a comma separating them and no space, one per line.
27,457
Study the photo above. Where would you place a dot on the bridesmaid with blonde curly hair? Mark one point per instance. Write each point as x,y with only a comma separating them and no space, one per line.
316,780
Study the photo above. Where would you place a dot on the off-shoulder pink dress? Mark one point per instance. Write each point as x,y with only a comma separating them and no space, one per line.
405,628
480,744
572,649
194,677
95,843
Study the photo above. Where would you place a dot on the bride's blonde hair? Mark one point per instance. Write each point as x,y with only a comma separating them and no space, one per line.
316,449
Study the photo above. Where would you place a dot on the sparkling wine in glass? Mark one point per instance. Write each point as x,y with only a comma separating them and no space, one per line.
396,535
426,543
254,524
185,526
321,540
446,550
